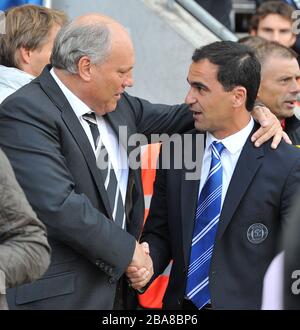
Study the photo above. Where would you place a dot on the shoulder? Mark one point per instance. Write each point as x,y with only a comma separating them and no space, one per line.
285,155
28,101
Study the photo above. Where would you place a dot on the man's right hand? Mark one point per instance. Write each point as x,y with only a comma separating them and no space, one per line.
140,270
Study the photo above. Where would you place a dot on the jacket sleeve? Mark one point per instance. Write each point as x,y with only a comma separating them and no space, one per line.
160,118
24,250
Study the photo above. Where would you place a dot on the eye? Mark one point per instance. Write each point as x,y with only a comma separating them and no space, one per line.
199,87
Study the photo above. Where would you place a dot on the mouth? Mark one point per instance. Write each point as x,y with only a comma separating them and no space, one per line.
290,104
196,114
118,96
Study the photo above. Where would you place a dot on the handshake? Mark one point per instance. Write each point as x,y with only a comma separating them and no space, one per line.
140,270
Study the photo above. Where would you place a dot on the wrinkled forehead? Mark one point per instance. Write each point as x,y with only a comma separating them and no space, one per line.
204,70
277,63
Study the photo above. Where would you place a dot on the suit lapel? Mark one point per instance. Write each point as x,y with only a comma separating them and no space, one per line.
249,162
58,98
189,196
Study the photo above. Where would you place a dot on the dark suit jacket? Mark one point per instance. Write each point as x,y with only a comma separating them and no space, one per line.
55,165
292,128
257,203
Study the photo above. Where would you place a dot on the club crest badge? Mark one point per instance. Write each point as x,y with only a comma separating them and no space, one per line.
257,233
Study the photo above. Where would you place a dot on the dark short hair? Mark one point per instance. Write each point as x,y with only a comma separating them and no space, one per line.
237,64
268,8
272,48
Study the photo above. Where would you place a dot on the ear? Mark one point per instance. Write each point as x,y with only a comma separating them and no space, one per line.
239,96
258,94
85,68
24,55
293,40
253,33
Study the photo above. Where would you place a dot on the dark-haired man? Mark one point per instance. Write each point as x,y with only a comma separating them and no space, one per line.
221,229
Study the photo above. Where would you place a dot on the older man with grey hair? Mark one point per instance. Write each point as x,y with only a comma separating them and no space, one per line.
53,131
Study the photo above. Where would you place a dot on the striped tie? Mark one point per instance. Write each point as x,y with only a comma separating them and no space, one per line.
90,118
108,174
205,228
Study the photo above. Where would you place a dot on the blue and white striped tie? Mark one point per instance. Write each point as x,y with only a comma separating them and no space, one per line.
205,228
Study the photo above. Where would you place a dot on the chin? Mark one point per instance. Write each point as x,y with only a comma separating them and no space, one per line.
199,127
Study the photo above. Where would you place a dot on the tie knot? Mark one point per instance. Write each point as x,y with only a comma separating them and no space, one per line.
90,117
217,148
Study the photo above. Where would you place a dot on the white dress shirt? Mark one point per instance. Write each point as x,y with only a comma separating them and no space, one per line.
229,157
116,151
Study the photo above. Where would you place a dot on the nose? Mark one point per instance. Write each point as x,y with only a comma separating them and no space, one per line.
190,98
295,87
128,82
275,36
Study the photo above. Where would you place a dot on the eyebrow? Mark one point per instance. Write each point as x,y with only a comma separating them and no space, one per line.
296,76
272,29
197,84
126,69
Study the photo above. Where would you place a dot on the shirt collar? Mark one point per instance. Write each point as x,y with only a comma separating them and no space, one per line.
235,142
79,107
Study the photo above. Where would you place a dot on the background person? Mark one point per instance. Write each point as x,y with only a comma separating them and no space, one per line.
26,46
24,250
273,21
279,87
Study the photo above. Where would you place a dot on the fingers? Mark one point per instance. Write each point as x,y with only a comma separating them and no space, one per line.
140,270
270,127
139,256
263,134
286,138
276,139
139,278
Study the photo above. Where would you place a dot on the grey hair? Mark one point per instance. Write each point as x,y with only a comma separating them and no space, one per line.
74,41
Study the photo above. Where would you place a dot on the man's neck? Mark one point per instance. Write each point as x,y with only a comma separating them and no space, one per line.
237,124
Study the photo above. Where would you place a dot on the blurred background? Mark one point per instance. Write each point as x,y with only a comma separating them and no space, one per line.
165,33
